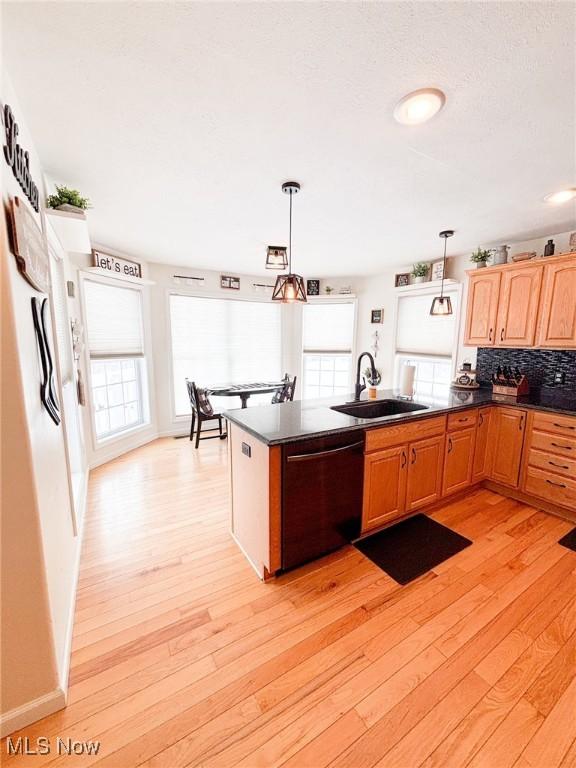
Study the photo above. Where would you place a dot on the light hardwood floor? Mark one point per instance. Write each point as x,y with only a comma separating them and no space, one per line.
182,657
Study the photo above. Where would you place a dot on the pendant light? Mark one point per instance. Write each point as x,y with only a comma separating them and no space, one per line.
276,257
289,287
442,305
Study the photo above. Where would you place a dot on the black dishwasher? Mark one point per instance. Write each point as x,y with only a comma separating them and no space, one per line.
322,481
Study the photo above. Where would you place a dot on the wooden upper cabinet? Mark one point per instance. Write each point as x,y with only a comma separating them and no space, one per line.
385,474
458,459
482,309
557,319
483,447
425,461
507,436
518,306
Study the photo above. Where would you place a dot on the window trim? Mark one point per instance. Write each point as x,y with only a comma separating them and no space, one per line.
182,290
146,382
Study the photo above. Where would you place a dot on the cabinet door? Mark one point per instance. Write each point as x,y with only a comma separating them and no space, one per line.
482,447
458,459
482,309
518,306
508,438
384,486
425,460
557,317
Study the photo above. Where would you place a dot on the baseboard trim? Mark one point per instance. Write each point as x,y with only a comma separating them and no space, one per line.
32,711
532,501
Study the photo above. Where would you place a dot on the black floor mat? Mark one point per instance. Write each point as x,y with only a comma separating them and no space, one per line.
412,547
569,540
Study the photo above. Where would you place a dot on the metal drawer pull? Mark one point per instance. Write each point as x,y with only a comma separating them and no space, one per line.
563,426
321,454
560,485
490,335
449,445
502,335
464,419
413,456
481,419
403,459
564,447
560,466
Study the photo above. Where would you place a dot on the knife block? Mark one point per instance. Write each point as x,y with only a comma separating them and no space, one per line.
522,388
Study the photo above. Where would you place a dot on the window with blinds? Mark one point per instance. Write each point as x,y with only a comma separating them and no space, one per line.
223,341
115,341
327,343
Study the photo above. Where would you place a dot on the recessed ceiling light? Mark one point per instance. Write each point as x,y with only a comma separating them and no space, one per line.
419,106
561,197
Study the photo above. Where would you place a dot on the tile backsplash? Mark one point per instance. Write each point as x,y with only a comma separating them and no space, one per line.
539,365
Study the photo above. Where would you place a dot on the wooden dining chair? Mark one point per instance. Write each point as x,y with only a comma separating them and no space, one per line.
286,393
203,411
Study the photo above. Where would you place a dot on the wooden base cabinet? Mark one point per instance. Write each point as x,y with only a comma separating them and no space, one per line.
424,484
483,446
458,460
385,475
507,437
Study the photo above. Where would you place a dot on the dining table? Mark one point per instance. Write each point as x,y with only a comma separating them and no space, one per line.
244,391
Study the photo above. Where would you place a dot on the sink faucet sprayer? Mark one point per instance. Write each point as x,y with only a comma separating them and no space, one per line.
359,387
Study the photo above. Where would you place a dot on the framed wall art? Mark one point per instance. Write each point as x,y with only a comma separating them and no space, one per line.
377,316
401,279
437,270
229,282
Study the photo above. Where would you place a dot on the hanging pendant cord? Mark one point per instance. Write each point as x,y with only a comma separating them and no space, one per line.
443,270
290,238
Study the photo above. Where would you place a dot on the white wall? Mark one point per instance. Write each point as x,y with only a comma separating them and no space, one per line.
39,548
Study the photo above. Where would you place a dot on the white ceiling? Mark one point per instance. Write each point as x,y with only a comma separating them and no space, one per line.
181,121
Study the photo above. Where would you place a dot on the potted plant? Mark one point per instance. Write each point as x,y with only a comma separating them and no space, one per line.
420,272
372,381
480,257
67,199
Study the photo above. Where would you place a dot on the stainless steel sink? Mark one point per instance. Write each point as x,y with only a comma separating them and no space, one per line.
378,408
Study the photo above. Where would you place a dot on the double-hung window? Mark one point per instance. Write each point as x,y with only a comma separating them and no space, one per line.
426,341
223,341
327,343
116,347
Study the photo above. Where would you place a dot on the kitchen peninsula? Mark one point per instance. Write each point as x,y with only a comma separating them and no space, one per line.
306,479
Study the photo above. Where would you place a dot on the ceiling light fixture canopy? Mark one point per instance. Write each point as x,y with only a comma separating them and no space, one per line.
563,196
442,305
276,257
290,287
419,106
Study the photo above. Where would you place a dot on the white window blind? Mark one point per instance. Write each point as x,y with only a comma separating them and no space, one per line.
221,341
418,332
113,320
328,327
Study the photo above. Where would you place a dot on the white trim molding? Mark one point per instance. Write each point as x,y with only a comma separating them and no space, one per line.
34,710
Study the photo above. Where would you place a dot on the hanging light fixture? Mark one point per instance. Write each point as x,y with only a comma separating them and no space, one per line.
442,305
289,287
276,257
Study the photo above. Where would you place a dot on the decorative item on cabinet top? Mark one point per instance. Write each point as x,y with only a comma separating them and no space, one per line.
401,279
313,287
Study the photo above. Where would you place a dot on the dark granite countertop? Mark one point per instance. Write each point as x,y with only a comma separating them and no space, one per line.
304,419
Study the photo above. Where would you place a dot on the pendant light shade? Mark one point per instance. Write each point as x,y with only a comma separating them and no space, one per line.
276,257
290,287
442,305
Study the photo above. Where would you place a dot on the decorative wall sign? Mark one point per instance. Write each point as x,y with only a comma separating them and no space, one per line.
401,279
437,270
47,393
18,159
29,246
226,281
115,265
377,316
313,287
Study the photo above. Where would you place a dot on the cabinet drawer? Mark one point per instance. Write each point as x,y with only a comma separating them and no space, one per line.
552,422
552,463
558,444
386,437
545,485
462,419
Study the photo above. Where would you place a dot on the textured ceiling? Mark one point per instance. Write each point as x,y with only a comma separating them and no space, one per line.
181,121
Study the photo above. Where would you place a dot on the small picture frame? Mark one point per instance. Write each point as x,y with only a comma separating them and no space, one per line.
377,316
229,282
313,287
401,279
437,272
